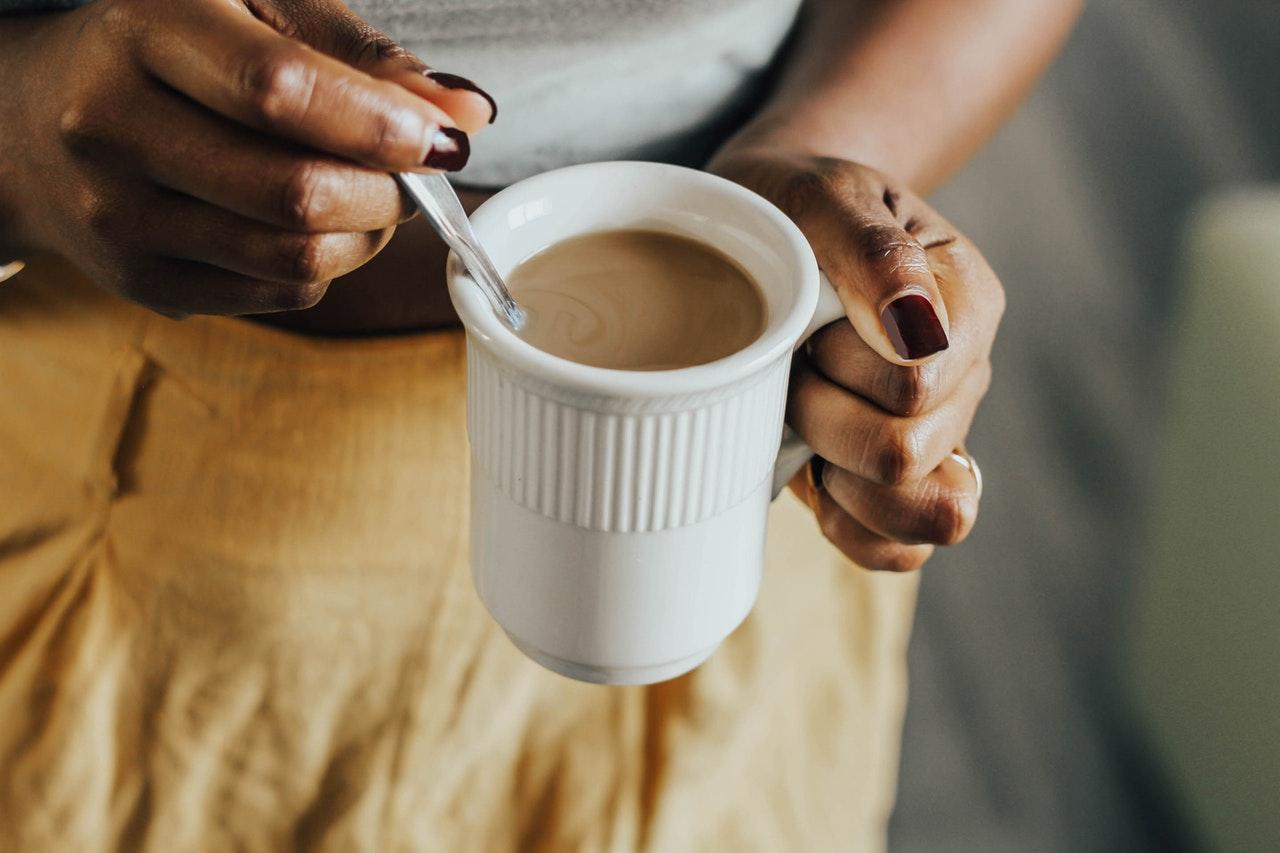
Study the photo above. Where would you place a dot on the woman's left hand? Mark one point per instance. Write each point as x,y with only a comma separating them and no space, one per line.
886,398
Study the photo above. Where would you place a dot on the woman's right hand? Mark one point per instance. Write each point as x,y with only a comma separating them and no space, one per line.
216,156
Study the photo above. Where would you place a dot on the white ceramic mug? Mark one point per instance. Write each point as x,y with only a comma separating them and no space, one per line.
618,517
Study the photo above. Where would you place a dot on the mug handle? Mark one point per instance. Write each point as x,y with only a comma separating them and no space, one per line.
794,454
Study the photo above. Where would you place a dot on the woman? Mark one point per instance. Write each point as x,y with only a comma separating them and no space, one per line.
234,606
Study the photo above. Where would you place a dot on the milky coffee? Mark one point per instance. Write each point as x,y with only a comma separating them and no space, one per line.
637,300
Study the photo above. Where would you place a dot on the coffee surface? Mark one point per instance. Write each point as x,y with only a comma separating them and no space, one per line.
637,300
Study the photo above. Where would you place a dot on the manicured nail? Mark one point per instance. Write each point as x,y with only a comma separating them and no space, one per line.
913,326
453,81
450,149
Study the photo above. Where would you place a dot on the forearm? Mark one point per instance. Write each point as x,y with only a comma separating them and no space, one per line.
910,87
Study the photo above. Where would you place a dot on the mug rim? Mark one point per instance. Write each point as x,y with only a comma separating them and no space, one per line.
779,337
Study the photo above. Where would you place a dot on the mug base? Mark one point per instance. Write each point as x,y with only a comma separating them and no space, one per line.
615,675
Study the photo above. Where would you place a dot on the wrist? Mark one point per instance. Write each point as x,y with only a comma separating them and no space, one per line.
773,170
803,137
762,139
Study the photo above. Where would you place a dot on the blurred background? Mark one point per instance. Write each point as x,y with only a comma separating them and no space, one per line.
1098,667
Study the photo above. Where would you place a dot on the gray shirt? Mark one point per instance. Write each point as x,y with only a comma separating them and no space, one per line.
585,80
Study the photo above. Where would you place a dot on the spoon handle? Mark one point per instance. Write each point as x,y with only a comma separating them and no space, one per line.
435,197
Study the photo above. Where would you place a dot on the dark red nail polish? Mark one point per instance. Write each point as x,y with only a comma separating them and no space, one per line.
453,81
450,149
913,326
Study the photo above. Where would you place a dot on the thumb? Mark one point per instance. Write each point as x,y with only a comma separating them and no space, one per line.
331,28
884,280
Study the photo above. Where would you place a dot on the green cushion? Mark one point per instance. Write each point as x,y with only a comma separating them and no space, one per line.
1203,661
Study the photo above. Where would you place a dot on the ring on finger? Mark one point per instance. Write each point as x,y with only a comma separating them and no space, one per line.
962,457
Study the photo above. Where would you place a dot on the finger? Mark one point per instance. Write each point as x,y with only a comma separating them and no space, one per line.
860,544
970,287
232,167
971,291
881,274
906,390
858,436
184,228
975,301
178,288
939,509
466,102
224,58
929,228
335,30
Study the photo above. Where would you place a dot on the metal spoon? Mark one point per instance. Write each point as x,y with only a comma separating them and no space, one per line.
437,200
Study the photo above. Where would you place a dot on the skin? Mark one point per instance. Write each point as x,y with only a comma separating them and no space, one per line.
883,101
253,167
247,194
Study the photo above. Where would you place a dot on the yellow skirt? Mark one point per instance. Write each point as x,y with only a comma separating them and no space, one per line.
236,614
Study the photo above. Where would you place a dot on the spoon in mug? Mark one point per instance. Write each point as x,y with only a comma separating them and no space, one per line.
435,197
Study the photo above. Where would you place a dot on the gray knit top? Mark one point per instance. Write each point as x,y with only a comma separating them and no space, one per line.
583,80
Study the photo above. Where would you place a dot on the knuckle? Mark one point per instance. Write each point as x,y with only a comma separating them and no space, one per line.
291,26
121,18
890,249
94,210
819,187
78,125
908,391
278,85
299,297
307,197
827,179
945,521
303,259
895,456
388,130
903,560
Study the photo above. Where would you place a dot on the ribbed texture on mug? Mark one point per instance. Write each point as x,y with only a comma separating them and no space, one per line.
623,471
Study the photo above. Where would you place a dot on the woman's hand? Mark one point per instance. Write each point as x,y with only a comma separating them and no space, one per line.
885,398
216,156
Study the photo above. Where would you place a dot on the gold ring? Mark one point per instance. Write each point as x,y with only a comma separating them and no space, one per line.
962,457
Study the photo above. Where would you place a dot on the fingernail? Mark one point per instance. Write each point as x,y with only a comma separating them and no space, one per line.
450,149
453,81
913,326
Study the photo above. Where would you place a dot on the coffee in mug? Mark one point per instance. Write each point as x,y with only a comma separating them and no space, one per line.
632,299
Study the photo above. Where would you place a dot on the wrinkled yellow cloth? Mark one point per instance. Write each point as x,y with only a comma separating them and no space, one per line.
236,614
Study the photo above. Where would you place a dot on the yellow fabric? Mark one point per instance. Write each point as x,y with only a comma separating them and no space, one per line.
235,614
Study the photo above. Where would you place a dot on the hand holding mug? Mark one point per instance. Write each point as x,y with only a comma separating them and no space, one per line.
886,398
618,516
